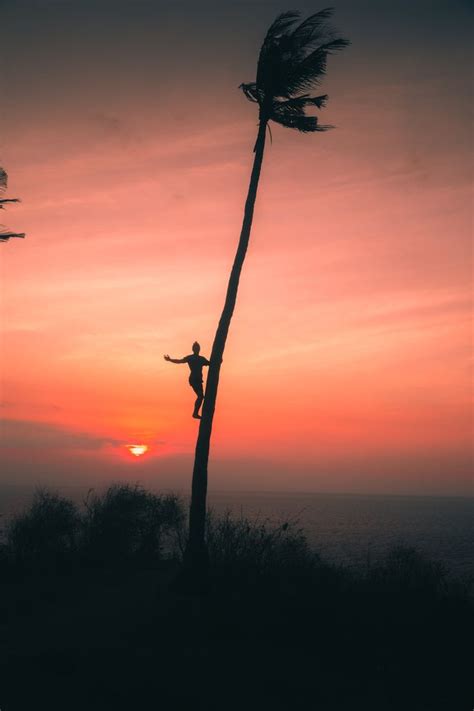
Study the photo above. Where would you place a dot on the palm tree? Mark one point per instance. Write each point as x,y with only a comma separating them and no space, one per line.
292,60
5,235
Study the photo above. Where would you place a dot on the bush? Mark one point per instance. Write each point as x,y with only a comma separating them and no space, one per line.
256,548
406,571
46,534
128,522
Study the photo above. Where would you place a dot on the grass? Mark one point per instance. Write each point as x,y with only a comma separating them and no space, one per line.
90,619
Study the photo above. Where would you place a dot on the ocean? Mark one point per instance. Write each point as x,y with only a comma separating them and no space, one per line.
354,529
351,529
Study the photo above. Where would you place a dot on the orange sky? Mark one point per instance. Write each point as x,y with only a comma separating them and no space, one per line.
347,364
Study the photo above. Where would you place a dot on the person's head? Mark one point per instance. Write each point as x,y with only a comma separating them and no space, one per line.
196,347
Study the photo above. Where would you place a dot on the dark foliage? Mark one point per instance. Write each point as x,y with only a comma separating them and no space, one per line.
407,571
124,524
46,534
278,629
5,234
255,548
128,522
292,61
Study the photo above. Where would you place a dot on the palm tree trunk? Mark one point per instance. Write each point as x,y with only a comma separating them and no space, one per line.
196,552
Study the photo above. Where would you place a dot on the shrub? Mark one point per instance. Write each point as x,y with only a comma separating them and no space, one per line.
407,571
46,533
238,545
128,522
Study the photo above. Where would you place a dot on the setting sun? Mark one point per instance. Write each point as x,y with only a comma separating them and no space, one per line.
137,449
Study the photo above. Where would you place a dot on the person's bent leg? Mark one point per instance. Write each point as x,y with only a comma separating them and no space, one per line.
197,405
200,397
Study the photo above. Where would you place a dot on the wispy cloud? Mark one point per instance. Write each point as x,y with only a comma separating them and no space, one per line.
43,435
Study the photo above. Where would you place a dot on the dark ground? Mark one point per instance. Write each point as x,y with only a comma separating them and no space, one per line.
278,629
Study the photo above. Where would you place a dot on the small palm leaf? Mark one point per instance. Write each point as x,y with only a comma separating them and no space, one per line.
250,91
4,201
5,236
305,124
300,102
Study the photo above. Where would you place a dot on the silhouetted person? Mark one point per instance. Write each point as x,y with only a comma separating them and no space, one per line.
196,363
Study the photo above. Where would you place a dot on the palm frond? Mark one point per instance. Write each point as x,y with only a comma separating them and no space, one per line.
320,101
5,236
306,31
292,60
300,102
312,69
3,201
282,23
250,91
272,49
3,179
292,114
305,124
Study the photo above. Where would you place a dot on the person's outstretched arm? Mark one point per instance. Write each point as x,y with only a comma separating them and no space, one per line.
175,360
